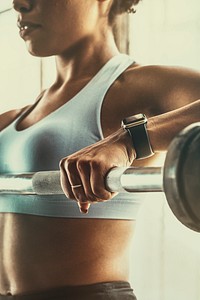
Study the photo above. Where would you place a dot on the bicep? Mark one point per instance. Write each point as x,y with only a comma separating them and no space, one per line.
177,88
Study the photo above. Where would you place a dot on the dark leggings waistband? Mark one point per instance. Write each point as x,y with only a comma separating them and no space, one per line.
118,290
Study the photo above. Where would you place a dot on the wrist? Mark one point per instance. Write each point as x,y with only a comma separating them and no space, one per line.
136,127
126,140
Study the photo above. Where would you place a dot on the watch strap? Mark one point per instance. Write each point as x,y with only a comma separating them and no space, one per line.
141,142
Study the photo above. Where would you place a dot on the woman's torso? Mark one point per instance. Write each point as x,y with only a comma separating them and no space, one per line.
39,252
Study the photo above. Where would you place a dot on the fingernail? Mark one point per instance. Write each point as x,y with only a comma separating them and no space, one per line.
84,210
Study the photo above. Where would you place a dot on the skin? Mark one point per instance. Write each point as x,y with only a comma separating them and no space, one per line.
40,253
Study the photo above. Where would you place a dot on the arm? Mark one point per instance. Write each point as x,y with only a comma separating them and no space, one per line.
163,128
9,116
90,165
166,95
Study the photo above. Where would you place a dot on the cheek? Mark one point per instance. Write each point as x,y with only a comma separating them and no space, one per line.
63,27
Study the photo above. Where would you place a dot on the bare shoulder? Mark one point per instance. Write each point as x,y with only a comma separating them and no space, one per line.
164,87
9,116
170,86
151,90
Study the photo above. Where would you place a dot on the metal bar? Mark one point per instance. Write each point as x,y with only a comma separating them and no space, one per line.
16,183
48,182
135,179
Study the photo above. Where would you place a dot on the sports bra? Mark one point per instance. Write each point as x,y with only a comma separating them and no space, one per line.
40,147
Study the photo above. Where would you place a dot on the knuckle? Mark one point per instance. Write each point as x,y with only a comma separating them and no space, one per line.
66,163
95,164
70,164
100,167
82,164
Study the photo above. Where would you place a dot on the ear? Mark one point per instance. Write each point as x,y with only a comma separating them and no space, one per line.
101,0
109,2
104,7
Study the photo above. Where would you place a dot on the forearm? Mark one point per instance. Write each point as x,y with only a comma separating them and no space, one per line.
117,150
163,128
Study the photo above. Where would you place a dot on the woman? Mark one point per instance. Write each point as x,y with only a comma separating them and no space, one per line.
49,249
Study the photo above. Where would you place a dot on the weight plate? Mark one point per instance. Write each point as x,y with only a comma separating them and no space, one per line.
181,178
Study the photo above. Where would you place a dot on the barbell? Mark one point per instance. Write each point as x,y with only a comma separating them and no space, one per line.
179,179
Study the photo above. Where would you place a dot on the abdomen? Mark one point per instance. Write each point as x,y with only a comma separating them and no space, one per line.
41,253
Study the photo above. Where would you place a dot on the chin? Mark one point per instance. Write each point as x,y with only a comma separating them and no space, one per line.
39,54
39,51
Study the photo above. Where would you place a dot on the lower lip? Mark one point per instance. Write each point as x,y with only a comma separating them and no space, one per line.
27,32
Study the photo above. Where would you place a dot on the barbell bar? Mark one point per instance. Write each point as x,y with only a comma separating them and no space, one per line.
179,179
48,182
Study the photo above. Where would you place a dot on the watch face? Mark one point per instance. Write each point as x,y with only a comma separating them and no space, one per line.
135,119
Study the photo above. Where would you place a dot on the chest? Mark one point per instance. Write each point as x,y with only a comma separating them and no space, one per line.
42,145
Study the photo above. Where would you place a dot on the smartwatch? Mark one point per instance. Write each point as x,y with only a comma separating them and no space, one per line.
137,129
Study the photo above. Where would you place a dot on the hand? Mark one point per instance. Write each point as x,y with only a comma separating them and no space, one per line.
83,173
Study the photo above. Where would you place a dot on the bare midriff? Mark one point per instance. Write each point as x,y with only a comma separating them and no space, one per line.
42,253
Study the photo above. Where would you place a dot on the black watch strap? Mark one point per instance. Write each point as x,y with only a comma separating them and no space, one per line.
141,141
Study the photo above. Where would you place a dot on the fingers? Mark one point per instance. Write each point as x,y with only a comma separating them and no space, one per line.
83,179
65,184
72,191
97,181
94,186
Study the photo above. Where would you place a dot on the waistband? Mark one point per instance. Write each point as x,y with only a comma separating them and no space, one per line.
92,291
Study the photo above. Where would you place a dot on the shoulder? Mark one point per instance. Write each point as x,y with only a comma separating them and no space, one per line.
156,71
162,85
155,74
9,116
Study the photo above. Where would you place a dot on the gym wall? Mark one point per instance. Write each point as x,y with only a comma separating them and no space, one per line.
166,255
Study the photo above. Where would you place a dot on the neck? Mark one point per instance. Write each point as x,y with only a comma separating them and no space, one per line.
85,59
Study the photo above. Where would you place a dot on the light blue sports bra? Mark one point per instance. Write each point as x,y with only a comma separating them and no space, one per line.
40,147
